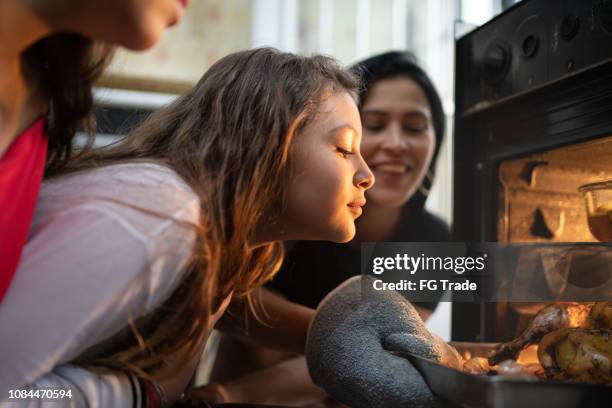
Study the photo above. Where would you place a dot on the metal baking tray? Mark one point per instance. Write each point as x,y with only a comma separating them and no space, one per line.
481,391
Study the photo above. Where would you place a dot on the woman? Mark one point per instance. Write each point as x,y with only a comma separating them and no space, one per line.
403,128
137,249
51,52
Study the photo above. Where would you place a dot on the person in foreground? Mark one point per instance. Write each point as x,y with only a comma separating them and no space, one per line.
137,249
51,53
403,127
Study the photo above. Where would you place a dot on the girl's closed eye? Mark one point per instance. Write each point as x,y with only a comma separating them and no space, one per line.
344,152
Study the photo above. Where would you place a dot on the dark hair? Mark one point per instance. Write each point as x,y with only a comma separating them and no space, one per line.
394,64
62,69
230,139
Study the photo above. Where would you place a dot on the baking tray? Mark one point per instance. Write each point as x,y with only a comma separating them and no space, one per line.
481,391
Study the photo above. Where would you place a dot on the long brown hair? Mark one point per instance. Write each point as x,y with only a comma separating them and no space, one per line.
62,68
230,139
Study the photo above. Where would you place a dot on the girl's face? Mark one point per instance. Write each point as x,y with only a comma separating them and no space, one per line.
398,139
135,24
330,176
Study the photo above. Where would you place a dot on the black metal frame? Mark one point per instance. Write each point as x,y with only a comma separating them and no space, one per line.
509,120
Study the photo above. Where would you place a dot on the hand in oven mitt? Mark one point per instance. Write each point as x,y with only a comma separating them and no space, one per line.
355,343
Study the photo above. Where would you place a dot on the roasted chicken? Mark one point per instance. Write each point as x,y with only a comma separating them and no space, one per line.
601,315
476,365
576,354
553,317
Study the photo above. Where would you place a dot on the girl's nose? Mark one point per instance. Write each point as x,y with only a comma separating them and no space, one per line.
364,177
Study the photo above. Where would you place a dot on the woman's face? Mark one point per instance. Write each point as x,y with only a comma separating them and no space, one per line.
135,24
398,139
329,177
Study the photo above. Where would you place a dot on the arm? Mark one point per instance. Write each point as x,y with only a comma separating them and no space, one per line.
284,329
286,383
104,387
83,276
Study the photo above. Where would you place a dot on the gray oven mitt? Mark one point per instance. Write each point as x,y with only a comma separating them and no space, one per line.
354,346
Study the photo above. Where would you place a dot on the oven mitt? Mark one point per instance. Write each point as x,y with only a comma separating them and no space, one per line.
355,343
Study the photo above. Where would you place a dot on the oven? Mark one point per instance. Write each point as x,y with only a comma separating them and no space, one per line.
533,124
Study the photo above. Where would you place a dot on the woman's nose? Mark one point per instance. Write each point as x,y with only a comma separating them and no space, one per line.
394,138
364,178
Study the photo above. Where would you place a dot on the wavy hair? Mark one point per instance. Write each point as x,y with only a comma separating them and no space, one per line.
63,68
230,139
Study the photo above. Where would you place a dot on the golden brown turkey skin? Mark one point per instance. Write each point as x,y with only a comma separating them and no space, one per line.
552,317
600,316
583,355
476,365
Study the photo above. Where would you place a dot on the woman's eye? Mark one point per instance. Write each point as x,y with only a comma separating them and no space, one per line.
415,126
344,152
374,127
415,129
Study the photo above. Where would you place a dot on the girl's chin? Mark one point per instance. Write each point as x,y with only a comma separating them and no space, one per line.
339,233
343,235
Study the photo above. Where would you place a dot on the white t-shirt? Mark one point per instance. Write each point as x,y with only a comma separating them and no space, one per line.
105,246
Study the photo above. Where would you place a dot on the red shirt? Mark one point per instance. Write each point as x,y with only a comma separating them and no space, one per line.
21,172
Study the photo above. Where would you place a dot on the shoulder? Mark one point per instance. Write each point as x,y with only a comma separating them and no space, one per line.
137,221
133,182
424,226
434,221
107,246
144,195
119,177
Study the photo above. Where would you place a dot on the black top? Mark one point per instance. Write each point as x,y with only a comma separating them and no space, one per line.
312,269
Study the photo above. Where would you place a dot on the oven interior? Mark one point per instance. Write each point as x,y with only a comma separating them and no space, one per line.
533,125
539,198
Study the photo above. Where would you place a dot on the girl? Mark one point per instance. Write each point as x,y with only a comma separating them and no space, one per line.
51,52
137,249
403,128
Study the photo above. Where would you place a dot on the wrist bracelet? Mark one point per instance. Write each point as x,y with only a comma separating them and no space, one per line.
154,395
150,397
163,400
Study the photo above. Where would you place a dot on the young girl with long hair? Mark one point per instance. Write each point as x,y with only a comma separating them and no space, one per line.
403,127
51,53
138,248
